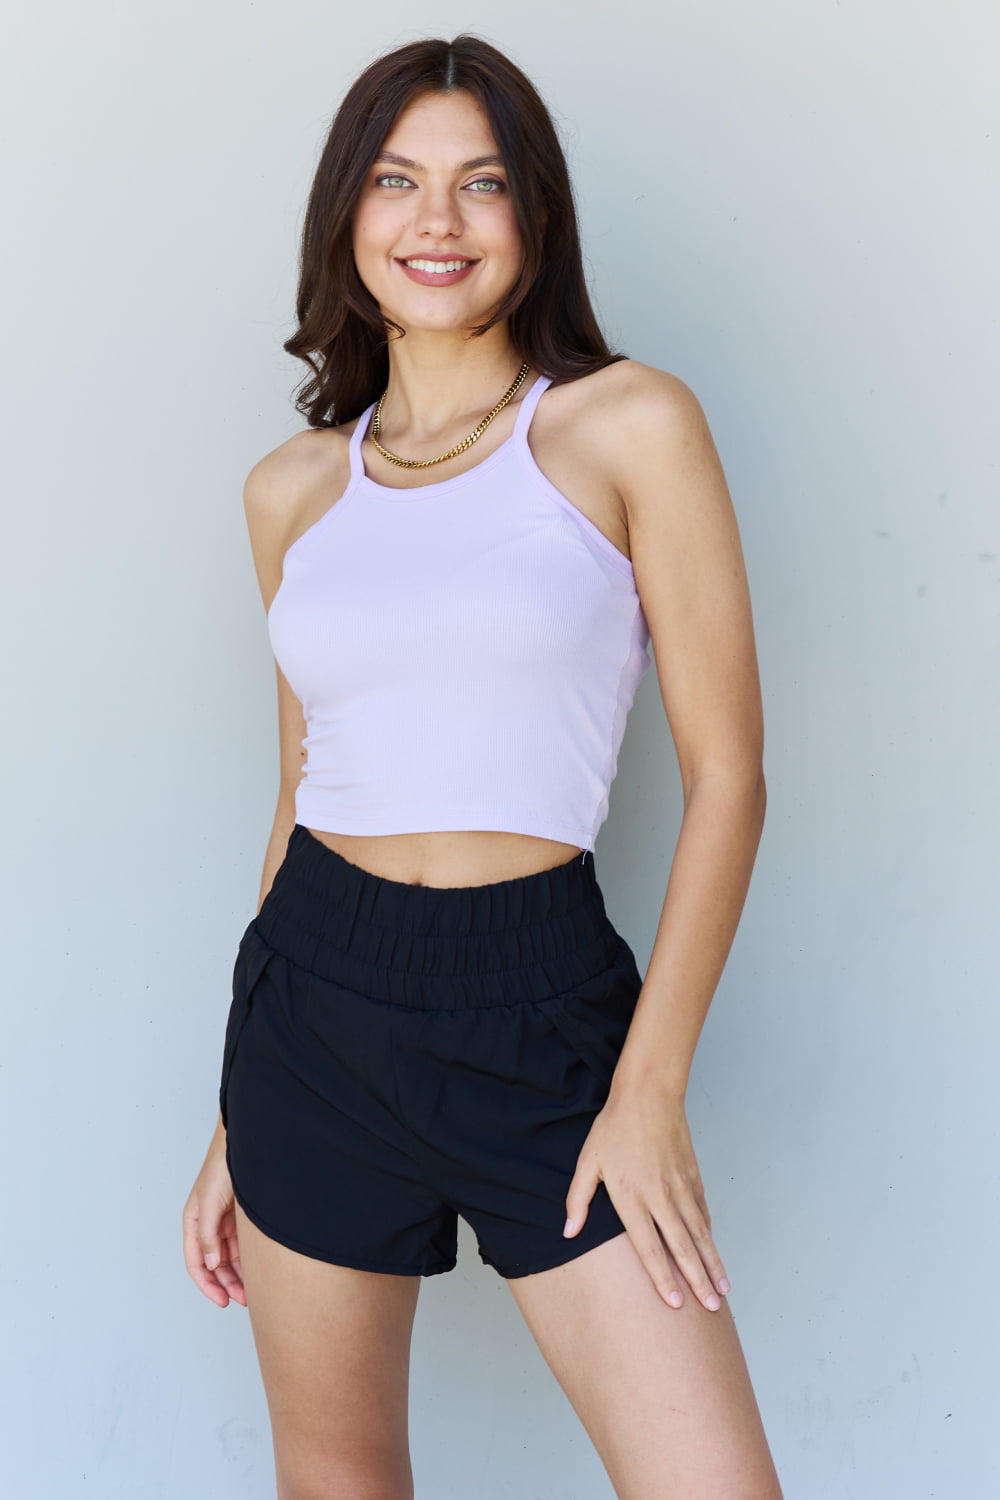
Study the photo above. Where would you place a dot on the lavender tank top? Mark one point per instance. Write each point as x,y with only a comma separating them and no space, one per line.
466,653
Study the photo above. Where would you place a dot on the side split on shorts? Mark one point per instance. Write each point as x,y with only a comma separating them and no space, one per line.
398,1055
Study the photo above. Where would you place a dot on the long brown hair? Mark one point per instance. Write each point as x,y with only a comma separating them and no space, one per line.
342,335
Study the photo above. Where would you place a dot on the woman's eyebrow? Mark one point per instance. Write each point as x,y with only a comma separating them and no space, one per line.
414,166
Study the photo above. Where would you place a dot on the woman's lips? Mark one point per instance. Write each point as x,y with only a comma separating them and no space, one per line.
436,278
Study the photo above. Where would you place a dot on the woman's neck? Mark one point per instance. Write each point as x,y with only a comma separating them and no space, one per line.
436,385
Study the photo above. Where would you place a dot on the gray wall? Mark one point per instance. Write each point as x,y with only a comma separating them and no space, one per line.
793,207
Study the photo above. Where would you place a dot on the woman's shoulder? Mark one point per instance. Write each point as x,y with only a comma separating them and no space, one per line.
288,489
630,391
278,480
617,417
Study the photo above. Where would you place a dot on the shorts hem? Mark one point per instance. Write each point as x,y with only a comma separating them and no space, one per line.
332,1257
571,1250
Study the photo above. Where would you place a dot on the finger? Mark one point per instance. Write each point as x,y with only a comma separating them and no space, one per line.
649,1247
195,1259
699,1222
230,1273
682,1247
582,1188
232,1282
205,1280
701,1233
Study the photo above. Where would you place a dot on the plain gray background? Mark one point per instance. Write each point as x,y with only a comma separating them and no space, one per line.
793,207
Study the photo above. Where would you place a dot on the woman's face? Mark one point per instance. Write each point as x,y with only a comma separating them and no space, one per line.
438,192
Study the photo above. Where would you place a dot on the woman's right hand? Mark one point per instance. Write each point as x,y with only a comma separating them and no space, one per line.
211,1249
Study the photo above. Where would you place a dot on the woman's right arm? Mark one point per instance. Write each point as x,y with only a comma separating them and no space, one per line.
291,732
282,494
275,495
273,498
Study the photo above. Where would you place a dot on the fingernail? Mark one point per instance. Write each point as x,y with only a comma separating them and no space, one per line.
712,1302
569,1226
211,1260
675,1299
724,1286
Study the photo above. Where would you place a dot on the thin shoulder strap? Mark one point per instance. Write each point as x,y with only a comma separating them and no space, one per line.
526,408
525,412
357,438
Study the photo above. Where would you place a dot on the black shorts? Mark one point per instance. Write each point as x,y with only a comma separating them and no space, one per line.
398,1055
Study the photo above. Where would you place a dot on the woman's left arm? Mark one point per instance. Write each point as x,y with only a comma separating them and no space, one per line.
691,579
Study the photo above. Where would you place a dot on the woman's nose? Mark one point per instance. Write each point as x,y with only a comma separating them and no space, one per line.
438,212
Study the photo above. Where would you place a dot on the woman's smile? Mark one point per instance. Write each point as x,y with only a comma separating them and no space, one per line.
430,271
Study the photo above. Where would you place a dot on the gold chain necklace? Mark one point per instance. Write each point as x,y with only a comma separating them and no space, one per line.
477,432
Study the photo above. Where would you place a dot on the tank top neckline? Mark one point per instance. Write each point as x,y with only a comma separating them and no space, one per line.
517,439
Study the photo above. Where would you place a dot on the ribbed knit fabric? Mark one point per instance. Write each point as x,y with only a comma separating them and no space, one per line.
466,652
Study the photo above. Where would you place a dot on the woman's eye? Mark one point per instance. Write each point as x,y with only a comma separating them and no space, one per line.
485,187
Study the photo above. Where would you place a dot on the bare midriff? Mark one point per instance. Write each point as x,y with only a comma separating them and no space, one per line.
446,859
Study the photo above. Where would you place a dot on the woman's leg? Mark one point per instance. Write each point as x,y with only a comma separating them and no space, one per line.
334,1351
663,1393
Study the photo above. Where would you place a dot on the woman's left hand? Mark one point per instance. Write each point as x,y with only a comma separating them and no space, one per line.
640,1147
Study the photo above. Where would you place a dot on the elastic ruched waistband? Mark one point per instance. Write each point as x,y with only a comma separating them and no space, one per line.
435,947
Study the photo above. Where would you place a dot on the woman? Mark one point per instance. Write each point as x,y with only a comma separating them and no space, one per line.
432,1014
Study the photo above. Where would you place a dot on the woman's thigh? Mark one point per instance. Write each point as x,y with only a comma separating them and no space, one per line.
663,1392
333,1345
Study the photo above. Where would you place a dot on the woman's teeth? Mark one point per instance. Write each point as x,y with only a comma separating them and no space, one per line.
438,266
